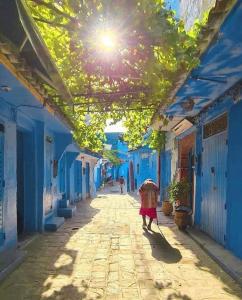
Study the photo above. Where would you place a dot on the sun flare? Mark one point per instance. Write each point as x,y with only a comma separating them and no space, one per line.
108,41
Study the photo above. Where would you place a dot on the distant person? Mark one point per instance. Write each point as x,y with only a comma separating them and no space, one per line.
149,192
122,184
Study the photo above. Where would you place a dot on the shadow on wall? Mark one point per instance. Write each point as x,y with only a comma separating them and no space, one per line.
161,249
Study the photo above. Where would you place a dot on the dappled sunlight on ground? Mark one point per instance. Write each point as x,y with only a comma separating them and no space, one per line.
103,253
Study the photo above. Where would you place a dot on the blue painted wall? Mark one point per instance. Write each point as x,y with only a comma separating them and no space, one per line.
121,149
98,175
145,162
234,171
198,172
234,186
165,178
36,179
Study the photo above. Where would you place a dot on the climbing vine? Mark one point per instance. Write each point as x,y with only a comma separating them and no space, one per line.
111,155
153,48
157,140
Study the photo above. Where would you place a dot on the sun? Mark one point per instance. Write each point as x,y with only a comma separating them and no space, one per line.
107,40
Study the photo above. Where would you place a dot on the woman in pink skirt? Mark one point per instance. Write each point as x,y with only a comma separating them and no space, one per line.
149,192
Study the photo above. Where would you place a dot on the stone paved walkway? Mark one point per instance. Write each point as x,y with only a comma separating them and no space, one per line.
103,253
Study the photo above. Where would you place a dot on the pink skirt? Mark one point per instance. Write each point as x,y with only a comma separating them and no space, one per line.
150,212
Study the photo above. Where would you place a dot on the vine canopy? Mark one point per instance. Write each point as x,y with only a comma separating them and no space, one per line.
119,59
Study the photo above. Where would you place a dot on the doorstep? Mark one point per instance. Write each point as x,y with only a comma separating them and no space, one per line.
229,263
67,212
53,223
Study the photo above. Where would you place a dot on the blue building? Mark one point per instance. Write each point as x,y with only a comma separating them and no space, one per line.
43,173
98,178
143,164
204,125
120,148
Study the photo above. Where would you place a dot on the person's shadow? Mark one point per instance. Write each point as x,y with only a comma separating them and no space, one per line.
161,249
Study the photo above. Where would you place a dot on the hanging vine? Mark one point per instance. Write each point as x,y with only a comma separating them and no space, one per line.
153,48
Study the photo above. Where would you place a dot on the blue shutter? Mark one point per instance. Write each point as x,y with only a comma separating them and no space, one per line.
1,184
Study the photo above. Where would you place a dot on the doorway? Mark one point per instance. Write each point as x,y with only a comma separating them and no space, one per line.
26,204
214,179
186,166
48,176
88,180
20,183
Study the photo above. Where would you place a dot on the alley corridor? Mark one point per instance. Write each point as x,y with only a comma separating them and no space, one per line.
103,253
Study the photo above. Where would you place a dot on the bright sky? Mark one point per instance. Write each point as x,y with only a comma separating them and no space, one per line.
174,5
115,128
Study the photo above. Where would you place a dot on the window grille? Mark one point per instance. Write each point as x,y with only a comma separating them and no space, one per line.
216,126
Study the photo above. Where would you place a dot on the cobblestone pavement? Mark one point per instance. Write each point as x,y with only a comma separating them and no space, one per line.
103,253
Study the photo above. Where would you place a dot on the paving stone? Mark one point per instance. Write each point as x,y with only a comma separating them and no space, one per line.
130,294
109,256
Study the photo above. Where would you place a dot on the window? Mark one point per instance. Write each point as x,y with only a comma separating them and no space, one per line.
216,126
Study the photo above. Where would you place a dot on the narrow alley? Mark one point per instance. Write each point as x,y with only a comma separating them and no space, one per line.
103,253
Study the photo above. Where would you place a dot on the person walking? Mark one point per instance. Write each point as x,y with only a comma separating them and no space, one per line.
122,184
149,192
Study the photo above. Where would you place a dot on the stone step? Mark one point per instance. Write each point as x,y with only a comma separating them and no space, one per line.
67,212
53,223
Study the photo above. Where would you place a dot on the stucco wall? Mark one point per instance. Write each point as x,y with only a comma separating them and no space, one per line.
145,165
171,144
10,190
234,187
190,10
54,180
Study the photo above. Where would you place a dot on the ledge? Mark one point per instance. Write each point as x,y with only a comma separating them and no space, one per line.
227,261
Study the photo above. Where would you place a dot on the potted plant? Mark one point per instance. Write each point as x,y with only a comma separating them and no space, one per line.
178,193
167,206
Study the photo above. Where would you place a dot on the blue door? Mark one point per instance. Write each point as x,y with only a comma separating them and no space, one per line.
165,177
213,206
48,177
78,177
88,179
1,183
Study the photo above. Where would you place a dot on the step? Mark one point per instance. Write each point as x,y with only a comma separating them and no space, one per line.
67,212
53,223
63,203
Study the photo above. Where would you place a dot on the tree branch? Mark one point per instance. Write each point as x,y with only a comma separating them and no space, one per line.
52,23
53,8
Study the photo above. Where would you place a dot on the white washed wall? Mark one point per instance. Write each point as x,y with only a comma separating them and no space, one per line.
171,144
190,10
